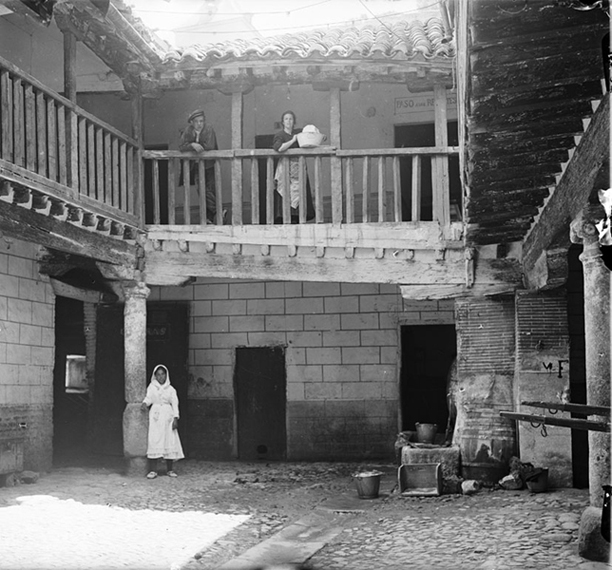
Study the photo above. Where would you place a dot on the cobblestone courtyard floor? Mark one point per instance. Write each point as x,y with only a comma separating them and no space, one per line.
97,518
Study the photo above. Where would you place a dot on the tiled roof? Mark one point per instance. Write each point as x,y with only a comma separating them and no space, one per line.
399,40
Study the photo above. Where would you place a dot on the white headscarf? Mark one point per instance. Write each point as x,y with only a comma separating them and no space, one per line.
155,382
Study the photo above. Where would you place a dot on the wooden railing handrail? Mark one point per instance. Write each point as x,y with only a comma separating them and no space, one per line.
4,64
423,150
320,151
209,154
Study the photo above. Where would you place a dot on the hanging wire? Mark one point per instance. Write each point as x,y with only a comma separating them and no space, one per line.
289,29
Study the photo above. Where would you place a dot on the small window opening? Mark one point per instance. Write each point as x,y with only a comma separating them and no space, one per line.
76,377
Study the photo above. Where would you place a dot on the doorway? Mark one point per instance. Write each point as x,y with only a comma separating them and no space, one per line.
420,135
428,352
70,391
167,343
260,388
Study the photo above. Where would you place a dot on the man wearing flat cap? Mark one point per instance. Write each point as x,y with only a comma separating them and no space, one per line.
199,137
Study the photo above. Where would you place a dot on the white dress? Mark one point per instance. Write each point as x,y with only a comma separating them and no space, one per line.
163,441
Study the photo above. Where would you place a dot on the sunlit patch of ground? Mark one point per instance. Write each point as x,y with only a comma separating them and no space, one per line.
71,535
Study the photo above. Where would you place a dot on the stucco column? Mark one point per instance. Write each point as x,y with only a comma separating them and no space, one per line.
597,343
135,420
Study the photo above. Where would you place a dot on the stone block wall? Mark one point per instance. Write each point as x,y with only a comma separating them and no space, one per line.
341,353
27,340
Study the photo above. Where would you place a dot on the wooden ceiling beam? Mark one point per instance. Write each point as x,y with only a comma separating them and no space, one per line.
81,294
20,223
573,191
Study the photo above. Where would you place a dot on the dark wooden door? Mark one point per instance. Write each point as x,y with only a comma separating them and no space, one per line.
260,391
167,343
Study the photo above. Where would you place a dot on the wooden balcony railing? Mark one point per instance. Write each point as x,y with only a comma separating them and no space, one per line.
51,145
347,186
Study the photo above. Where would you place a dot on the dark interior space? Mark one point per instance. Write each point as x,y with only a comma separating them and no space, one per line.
70,403
167,343
427,354
575,316
420,135
260,386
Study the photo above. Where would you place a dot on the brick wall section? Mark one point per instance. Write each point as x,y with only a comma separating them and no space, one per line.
485,336
543,343
27,341
342,359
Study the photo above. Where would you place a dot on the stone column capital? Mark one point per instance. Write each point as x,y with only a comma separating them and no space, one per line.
583,228
135,290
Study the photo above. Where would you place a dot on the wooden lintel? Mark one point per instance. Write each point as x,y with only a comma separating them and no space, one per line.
80,294
574,189
164,265
572,423
19,223
437,292
415,236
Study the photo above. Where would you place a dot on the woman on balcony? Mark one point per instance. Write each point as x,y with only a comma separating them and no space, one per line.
284,140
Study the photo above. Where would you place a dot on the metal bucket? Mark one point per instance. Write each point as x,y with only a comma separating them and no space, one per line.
368,484
426,433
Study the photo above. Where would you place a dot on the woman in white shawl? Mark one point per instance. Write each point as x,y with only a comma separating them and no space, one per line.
163,440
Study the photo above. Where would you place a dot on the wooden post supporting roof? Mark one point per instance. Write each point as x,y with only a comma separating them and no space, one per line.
336,162
441,186
237,107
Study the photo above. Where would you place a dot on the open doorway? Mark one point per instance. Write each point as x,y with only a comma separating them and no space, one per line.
70,390
427,354
420,135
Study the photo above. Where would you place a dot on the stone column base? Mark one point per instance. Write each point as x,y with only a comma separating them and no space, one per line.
591,545
136,466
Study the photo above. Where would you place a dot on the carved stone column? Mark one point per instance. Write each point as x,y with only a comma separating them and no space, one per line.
135,420
597,342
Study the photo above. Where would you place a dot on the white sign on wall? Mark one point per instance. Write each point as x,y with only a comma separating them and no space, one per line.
419,103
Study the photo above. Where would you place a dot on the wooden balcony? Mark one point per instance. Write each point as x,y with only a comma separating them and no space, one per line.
62,162
347,186
371,223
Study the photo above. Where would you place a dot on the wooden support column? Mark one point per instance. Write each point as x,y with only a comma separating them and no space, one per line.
135,420
138,134
237,106
336,162
70,92
597,342
440,180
